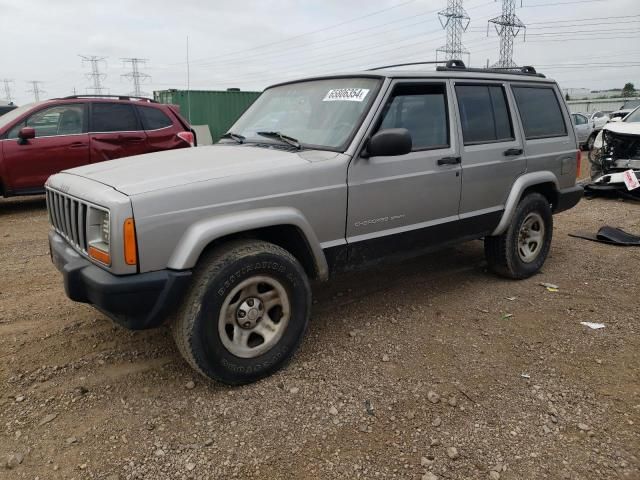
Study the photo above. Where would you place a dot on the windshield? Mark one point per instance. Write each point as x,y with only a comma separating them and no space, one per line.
633,116
317,113
13,114
630,104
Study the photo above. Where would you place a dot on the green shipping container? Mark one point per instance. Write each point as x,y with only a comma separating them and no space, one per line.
218,109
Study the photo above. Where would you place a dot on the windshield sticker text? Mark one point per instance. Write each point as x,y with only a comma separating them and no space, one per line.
346,95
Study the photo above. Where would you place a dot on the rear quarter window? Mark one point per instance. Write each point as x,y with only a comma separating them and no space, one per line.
540,112
153,118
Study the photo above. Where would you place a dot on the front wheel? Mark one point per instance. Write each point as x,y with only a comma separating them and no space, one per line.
246,313
522,250
591,140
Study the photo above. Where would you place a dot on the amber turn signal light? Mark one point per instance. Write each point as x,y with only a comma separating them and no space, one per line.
99,255
130,248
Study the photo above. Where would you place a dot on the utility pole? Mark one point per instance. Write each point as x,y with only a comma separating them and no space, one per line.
508,25
455,21
35,89
95,76
7,89
135,75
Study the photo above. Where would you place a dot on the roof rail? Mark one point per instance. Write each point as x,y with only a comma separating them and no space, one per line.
430,62
119,97
526,70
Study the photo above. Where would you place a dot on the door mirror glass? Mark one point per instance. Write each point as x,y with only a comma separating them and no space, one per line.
27,133
390,142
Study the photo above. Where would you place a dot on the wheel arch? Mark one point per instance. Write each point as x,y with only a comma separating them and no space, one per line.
285,227
544,183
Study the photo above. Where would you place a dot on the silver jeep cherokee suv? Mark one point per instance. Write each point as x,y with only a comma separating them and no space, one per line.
318,176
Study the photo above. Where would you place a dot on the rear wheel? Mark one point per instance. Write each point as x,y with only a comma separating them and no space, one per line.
246,313
522,250
591,140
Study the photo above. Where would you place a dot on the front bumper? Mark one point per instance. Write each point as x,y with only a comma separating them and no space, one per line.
137,302
568,198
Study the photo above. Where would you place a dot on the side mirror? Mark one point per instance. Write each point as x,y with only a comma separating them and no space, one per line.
26,133
389,142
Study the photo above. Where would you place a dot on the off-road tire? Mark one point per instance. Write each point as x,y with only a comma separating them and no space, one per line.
195,327
501,251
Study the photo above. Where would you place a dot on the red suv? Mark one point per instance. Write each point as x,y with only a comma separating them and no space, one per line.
44,138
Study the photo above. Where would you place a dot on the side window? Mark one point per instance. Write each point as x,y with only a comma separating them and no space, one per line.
113,117
598,115
54,121
484,114
153,118
580,119
540,112
421,109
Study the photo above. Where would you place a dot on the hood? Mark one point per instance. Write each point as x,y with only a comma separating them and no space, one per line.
623,128
154,171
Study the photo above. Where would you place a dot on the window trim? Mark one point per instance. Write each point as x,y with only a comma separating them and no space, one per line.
135,112
417,82
503,87
555,95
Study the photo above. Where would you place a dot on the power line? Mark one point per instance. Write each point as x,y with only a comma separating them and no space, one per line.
135,75
455,20
35,89
95,76
7,89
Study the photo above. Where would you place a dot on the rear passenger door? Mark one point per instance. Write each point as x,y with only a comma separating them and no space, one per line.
115,131
549,140
491,148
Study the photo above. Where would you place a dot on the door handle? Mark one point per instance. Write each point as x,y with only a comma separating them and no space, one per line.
77,145
134,139
449,160
513,152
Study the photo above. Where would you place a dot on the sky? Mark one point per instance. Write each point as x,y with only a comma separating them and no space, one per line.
251,44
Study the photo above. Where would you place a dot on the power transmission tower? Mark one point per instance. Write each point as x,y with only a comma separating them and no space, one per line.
95,76
455,21
7,89
508,25
35,89
136,76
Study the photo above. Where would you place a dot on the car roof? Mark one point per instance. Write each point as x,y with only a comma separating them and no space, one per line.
463,74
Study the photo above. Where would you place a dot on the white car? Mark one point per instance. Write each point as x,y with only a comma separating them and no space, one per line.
599,120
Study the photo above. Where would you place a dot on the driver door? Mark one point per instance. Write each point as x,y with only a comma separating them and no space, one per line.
407,202
61,142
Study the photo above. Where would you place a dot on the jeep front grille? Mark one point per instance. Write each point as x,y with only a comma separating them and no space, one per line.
69,217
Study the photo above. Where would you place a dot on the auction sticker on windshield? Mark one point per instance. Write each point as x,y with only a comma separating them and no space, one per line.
346,95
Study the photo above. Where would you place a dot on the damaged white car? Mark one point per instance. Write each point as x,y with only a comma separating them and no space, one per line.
615,158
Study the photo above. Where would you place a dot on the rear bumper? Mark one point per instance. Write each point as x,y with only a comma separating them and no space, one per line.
137,302
568,198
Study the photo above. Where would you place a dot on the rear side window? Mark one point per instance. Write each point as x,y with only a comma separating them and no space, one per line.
421,109
484,114
113,117
540,112
153,118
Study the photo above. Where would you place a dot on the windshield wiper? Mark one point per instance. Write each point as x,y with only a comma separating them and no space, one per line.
283,138
234,136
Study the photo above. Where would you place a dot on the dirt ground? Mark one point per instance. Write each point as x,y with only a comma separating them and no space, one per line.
432,369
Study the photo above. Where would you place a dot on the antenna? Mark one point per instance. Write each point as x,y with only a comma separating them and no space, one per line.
7,89
455,21
188,84
135,75
95,76
508,25
35,89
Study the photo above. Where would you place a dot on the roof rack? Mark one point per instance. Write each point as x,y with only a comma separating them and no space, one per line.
119,97
459,65
430,62
450,65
